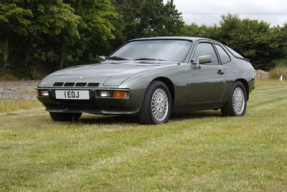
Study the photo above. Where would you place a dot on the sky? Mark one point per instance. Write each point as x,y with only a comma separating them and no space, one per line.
208,12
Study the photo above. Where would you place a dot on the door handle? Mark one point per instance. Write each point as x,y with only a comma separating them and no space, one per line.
220,72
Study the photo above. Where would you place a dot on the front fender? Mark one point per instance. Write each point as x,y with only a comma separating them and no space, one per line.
138,84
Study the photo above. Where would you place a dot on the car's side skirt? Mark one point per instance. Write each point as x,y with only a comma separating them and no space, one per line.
198,107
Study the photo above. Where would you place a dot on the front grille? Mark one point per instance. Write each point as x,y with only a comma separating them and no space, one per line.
75,84
76,102
87,105
114,108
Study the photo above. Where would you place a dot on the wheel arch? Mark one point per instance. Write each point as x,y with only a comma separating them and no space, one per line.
169,85
244,82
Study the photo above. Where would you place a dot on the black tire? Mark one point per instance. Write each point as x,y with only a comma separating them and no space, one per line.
236,105
157,94
65,116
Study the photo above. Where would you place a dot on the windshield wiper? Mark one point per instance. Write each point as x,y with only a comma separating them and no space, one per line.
150,59
115,58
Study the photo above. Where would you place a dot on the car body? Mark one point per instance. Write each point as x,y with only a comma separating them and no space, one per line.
151,77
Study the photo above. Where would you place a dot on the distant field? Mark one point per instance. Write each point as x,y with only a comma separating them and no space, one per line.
196,151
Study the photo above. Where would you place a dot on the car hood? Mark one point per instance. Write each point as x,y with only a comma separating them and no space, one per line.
104,74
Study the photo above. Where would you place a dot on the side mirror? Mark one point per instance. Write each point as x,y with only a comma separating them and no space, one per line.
102,58
203,59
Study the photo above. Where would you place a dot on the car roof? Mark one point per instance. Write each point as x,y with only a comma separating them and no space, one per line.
174,38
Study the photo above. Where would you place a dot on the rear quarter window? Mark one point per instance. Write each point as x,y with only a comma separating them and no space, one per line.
224,57
234,53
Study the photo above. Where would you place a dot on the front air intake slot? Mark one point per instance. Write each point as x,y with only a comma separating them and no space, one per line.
81,84
58,84
75,84
69,84
93,84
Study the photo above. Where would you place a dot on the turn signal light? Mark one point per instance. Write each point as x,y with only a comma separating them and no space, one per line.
42,93
120,94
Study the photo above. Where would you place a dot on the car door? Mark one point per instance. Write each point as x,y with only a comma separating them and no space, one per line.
207,83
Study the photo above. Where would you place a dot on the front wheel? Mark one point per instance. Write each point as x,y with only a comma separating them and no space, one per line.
65,116
156,105
236,105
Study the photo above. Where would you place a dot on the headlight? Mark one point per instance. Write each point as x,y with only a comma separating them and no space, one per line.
113,94
105,93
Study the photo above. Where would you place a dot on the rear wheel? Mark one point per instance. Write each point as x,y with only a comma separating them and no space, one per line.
156,105
65,116
236,105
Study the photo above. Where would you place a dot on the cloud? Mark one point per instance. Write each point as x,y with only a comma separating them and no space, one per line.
208,12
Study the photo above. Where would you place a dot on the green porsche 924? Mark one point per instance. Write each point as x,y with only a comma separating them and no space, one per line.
152,77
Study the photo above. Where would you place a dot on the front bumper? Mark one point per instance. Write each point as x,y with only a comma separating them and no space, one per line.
95,104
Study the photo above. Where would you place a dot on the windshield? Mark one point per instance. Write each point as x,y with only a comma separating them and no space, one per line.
164,50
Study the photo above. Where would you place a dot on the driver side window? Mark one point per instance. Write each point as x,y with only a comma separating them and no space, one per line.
205,49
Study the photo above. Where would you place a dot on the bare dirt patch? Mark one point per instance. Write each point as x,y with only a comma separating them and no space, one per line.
18,89
5,148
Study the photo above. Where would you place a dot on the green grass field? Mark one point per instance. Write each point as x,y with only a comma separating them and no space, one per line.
196,151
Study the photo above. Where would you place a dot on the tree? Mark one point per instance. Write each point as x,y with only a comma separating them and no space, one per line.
172,20
57,25
94,27
14,19
27,20
193,30
253,39
144,18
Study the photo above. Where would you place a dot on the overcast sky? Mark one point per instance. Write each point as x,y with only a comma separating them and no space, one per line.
208,11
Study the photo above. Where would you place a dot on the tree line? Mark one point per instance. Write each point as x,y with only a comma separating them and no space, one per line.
41,35
255,40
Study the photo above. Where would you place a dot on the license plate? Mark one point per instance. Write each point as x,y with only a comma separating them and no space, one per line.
69,94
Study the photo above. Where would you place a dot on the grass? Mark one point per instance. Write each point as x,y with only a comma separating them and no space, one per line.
29,91
195,151
268,82
9,105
